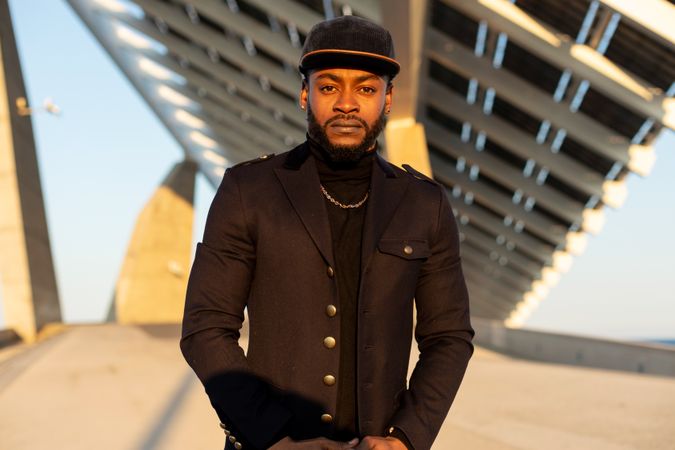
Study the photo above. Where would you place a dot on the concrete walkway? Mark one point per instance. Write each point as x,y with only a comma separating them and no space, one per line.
124,387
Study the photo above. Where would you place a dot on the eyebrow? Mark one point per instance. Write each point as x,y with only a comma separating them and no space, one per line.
337,78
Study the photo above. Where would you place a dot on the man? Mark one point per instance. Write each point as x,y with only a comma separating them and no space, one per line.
327,246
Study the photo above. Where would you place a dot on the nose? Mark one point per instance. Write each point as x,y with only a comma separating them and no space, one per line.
346,103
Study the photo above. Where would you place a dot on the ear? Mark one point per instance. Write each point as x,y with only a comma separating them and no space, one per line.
388,97
304,93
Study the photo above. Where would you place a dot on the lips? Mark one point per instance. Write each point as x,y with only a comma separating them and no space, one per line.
346,124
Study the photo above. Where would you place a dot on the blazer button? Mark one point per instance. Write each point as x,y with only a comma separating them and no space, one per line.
331,310
326,418
329,342
232,439
408,250
329,380
238,445
330,271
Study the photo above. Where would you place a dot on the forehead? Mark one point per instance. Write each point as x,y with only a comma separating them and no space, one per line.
344,75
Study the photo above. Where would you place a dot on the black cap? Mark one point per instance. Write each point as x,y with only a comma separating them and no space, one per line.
349,42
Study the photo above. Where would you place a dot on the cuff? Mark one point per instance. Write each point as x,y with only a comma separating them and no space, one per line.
400,435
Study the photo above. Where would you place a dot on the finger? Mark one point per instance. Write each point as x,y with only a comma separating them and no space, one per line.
327,444
351,444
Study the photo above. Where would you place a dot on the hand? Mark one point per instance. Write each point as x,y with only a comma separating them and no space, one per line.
313,444
380,443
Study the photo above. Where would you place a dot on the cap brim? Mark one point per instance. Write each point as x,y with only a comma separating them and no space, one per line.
350,59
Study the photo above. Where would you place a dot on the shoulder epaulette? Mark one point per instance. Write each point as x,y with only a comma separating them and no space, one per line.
260,158
418,175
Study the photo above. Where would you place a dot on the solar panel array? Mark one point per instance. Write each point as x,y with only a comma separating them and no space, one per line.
534,111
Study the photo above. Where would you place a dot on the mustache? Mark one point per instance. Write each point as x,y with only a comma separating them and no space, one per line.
346,117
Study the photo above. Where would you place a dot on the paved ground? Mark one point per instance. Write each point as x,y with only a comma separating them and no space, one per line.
128,388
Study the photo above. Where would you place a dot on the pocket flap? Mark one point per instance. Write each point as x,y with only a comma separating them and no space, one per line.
405,248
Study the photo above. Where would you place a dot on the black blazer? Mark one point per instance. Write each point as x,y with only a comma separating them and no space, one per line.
267,247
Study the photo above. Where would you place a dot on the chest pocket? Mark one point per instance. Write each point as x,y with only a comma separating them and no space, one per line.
405,248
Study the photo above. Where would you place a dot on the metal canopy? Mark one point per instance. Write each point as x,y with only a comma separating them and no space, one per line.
534,111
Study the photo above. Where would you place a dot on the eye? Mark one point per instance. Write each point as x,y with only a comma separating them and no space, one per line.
327,88
367,90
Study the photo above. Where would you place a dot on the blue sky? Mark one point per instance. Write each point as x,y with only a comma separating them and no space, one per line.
101,160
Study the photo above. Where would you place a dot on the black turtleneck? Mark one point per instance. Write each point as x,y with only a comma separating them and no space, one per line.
347,183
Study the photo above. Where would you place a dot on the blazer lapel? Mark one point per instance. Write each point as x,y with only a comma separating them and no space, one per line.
386,192
300,180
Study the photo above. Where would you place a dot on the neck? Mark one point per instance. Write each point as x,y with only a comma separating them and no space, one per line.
323,155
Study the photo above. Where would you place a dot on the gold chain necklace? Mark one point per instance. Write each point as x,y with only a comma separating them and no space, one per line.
342,205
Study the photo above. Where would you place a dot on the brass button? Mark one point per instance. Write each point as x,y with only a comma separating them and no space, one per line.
329,342
326,418
330,272
233,439
407,250
329,380
331,310
238,445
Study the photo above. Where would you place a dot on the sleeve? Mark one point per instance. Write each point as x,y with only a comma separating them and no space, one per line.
217,294
443,333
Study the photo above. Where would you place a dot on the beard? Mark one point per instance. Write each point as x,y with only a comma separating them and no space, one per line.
345,153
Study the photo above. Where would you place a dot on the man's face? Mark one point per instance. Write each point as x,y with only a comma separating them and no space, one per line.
345,110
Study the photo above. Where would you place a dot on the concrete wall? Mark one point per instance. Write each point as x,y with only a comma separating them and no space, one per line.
575,350
30,295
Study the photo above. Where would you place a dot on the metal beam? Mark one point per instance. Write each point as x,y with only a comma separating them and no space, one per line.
489,262
497,201
370,9
656,17
507,294
481,298
517,141
529,98
236,148
226,76
504,173
229,49
251,134
488,244
525,242
221,114
92,19
478,255
479,289
505,274
290,11
478,309
541,40
261,35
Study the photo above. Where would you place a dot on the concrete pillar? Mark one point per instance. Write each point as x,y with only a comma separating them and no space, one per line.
152,282
406,141
407,144
30,295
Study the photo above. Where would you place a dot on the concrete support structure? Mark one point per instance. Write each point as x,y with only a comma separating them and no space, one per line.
406,140
407,144
151,285
30,294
